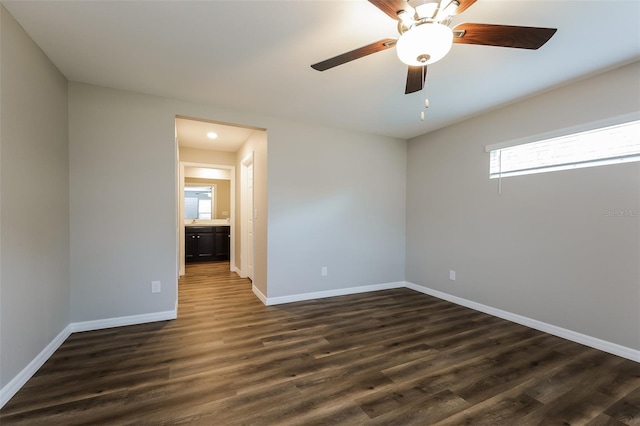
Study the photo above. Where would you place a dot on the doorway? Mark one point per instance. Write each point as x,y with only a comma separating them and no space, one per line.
206,173
242,152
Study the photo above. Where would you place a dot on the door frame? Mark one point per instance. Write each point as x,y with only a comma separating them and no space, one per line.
232,211
244,216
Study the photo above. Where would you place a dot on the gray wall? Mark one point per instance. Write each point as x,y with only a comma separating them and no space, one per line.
34,214
122,203
545,248
338,198
352,202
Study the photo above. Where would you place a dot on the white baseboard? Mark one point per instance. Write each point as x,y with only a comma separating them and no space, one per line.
269,301
11,388
593,342
259,294
122,321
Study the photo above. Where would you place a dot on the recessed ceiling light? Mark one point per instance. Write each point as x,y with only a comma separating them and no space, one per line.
212,135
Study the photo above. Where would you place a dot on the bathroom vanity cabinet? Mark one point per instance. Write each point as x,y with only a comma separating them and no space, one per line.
206,243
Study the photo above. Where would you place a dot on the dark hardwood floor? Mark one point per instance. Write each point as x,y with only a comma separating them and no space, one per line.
393,357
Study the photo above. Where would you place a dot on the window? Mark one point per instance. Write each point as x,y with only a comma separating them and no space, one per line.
199,202
612,144
204,209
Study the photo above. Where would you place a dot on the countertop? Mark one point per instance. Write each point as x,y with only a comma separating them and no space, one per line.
212,222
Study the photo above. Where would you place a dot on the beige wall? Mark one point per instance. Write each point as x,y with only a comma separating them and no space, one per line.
221,158
193,155
34,251
544,249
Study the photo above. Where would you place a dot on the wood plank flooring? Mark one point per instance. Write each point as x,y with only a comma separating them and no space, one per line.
393,357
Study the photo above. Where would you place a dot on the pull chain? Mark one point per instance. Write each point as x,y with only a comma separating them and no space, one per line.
425,88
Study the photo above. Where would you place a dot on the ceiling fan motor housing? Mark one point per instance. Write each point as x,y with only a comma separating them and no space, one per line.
417,11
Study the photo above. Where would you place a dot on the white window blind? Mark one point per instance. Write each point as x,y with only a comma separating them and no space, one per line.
204,209
618,143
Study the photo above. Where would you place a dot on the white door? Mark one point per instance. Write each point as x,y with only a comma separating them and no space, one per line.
250,217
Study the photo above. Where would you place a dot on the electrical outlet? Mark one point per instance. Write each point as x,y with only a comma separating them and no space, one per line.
323,271
155,287
452,275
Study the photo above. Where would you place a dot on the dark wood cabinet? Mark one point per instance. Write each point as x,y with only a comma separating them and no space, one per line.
206,243
198,243
221,243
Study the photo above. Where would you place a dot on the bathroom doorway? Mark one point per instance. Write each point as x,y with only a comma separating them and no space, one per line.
199,183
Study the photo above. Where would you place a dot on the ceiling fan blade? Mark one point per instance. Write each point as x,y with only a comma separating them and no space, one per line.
464,5
355,54
415,79
390,7
502,35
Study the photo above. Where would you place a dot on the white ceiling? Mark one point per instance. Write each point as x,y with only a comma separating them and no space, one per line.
193,134
255,55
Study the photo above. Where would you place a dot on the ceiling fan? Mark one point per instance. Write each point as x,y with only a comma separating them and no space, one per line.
425,36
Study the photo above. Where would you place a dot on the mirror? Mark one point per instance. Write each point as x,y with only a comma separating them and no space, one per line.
199,202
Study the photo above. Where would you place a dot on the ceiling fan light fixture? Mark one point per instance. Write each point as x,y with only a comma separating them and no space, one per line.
424,44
